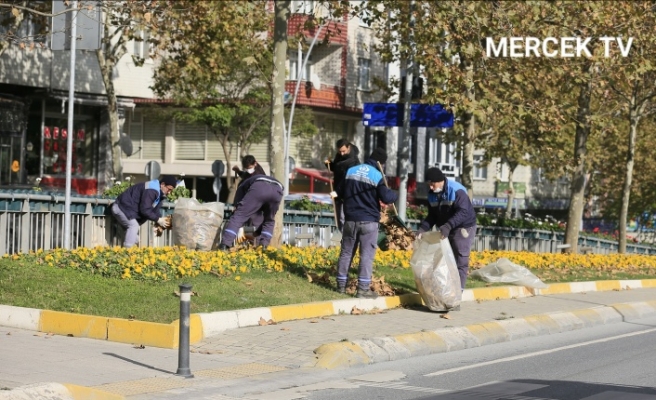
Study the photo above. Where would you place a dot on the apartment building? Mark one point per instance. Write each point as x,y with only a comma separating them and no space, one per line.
336,82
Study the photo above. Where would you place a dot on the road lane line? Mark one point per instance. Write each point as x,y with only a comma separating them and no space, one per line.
538,353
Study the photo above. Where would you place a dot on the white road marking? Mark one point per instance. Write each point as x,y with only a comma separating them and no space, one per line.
538,353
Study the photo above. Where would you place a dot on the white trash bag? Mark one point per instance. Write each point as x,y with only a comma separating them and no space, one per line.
195,225
436,273
505,271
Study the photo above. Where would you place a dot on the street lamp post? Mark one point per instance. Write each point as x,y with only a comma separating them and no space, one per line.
288,131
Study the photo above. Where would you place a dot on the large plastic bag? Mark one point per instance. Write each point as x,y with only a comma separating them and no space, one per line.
504,270
197,225
436,272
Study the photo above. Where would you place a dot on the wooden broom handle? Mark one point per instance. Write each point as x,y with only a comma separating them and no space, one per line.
380,167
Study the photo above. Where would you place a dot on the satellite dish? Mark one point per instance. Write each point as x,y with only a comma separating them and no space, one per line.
125,143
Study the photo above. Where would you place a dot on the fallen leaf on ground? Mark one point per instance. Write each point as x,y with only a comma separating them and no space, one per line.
262,322
141,346
70,335
445,316
284,329
272,322
356,311
314,321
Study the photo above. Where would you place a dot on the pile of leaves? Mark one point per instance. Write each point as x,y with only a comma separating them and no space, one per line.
378,284
397,237
160,230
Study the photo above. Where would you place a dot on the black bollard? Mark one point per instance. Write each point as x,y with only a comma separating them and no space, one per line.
183,348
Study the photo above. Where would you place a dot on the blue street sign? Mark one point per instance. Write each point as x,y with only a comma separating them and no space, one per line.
421,115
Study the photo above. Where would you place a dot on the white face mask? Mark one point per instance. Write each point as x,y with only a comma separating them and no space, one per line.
250,170
437,190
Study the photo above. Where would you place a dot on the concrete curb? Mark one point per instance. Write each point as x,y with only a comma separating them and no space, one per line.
370,351
57,391
204,325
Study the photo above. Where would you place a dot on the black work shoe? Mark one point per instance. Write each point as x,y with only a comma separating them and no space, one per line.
366,294
341,289
224,247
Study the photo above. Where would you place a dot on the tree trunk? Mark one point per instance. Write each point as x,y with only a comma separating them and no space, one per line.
468,155
106,69
578,176
108,54
282,10
511,190
469,122
634,119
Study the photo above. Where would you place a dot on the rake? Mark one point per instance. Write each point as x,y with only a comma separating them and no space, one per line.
398,219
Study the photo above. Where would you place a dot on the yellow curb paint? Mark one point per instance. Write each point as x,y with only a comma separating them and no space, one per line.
78,325
587,315
392,301
488,332
145,333
648,283
417,343
491,293
292,312
195,329
543,321
85,393
338,355
627,310
604,286
557,288
407,299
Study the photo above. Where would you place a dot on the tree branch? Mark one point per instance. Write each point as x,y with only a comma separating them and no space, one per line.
37,12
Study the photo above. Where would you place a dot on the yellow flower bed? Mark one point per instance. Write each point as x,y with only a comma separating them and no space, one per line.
165,263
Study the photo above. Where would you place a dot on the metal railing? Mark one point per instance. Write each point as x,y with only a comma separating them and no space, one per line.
29,222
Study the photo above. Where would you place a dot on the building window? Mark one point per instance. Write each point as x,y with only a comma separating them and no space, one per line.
55,137
294,66
480,171
364,72
142,47
303,6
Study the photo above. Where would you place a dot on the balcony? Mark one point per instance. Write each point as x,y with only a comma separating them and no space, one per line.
338,30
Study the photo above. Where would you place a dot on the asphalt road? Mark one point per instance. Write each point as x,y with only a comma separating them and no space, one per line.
616,361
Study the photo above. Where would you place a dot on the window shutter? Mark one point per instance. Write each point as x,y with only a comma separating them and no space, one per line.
190,141
154,135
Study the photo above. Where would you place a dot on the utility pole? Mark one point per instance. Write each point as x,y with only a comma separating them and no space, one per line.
69,138
404,153
282,11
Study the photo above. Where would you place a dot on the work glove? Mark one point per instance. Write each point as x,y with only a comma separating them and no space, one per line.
240,235
445,229
163,222
333,194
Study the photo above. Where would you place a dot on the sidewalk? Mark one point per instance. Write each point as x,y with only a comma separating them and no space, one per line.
29,357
